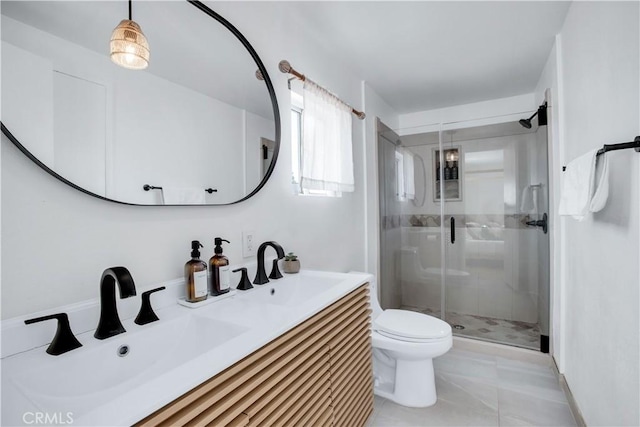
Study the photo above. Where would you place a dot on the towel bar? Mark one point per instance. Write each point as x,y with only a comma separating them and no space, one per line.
635,144
148,187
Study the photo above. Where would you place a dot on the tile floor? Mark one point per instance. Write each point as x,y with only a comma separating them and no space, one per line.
511,332
476,389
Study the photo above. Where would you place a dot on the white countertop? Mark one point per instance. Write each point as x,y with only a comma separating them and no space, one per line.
252,322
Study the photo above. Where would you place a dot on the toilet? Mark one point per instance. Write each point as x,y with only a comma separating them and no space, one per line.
404,345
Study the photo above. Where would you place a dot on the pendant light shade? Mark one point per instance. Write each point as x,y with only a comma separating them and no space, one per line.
129,47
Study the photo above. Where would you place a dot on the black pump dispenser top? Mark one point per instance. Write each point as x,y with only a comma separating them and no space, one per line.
195,249
218,241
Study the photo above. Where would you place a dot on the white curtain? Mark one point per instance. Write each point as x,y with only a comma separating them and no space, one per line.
409,176
327,158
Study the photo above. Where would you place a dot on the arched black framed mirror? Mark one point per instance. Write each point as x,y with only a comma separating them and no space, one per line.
196,118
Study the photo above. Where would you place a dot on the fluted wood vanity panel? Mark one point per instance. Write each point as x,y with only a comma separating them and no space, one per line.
349,399
241,420
300,378
311,409
304,401
277,405
313,418
351,374
353,387
326,418
361,413
291,405
279,393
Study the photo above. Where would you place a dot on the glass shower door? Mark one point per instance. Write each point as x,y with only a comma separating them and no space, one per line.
410,226
495,278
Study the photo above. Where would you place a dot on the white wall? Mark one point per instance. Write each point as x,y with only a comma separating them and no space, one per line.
600,105
32,84
57,241
198,144
79,130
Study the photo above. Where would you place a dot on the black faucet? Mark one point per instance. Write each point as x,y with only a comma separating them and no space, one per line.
261,275
64,340
109,324
146,313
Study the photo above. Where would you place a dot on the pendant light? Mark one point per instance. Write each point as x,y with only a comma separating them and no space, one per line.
129,47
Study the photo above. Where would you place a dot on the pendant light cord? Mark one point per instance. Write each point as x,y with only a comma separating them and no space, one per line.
129,10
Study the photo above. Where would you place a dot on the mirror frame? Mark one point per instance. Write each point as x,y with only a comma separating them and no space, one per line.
274,102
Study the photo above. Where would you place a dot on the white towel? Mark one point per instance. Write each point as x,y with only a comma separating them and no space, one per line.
534,196
599,199
579,193
183,195
529,199
409,176
526,201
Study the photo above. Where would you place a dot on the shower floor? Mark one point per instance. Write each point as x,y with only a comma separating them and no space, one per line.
511,332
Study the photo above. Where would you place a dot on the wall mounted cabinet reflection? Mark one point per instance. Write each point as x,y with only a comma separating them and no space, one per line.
196,117
448,172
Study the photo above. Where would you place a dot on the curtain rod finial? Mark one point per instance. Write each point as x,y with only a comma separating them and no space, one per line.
259,75
361,115
284,66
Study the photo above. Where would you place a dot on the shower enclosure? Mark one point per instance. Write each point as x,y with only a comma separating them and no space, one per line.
462,209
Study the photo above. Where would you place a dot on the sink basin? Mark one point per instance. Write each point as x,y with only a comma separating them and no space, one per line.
131,357
122,379
292,290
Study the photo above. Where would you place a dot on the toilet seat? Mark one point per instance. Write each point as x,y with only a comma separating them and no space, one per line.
410,326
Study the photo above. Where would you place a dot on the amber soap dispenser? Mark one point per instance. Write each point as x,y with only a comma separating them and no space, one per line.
219,268
195,275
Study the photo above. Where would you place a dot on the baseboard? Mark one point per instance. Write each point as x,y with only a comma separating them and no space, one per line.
573,405
502,350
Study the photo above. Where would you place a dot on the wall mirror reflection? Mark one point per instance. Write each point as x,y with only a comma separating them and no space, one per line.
196,118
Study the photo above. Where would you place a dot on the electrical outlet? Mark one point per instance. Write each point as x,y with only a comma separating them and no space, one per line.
248,244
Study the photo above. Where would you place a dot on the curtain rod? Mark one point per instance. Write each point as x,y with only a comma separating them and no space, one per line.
286,67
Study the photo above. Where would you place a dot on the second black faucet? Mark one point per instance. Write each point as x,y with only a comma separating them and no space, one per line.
261,275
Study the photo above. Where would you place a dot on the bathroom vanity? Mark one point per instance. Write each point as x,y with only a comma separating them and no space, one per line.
295,351
318,373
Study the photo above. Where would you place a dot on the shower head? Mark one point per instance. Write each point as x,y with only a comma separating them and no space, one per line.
542,117
526,123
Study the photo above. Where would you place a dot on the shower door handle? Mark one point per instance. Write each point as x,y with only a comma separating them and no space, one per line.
453,230
540,223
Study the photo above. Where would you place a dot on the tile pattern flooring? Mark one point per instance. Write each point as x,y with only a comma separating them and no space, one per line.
512,332
475,389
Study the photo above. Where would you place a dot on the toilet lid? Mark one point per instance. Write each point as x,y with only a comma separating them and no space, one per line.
411,325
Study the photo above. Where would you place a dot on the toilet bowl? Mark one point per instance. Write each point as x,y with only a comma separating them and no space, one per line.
404,345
